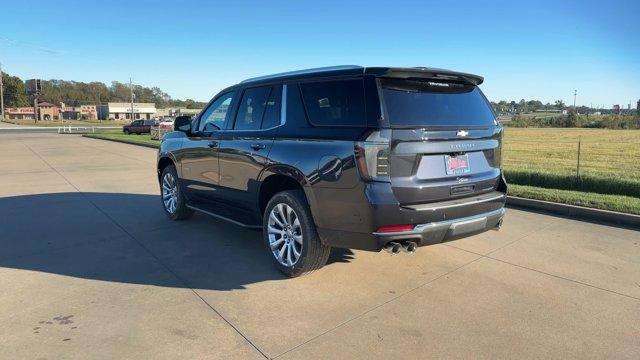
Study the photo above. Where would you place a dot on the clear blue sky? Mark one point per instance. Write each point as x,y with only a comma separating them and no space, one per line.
524,49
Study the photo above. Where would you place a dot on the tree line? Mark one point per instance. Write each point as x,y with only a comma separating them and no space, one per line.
75,93
524,106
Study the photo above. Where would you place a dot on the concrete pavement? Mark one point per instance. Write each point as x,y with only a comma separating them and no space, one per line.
91,268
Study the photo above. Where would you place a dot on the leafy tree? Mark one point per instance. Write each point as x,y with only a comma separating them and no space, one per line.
14,91
571,120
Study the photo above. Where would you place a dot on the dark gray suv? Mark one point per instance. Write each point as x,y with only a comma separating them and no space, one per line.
352,157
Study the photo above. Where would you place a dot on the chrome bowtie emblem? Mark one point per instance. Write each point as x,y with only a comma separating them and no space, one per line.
462,133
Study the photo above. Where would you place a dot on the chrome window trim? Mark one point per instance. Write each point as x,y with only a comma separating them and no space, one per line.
283,105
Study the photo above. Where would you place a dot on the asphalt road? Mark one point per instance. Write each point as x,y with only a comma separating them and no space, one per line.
91,268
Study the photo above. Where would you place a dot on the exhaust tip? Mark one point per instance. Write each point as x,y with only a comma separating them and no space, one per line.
409,246
498,225
392,247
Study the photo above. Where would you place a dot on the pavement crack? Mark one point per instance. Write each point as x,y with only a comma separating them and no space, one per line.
563,278
486,256
377,307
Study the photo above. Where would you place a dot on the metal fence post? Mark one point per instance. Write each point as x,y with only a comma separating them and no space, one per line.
578,166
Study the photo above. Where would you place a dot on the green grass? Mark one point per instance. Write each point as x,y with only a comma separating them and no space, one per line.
626,204
144,139
603,184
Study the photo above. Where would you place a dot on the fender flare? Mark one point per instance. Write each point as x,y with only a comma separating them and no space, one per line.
170,156
298,176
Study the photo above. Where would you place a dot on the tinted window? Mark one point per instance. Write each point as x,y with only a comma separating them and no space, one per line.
425,103
252,107
213,118
272,111
331,103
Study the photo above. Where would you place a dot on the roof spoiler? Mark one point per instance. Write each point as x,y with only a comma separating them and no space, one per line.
426,73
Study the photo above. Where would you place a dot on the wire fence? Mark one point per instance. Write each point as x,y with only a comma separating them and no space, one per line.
578,158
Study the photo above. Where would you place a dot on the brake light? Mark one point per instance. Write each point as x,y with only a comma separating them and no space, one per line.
394,228
372,156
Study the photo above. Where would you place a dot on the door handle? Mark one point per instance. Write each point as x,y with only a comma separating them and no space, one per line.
212,144
257,147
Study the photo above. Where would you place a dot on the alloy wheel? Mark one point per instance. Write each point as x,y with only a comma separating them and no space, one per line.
285,234
169,192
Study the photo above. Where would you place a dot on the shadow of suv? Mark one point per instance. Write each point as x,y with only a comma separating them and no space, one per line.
349,157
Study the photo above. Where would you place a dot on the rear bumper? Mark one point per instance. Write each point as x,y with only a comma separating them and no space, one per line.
436,232
349,220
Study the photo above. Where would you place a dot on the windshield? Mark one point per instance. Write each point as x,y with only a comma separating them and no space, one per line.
428,103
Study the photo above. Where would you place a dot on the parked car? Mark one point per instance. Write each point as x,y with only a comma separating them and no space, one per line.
348,157
139,127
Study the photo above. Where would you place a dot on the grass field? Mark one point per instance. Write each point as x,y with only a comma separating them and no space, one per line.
609,159
607,153
542,164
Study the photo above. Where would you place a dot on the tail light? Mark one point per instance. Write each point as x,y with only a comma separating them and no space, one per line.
497,152
372,156
394,228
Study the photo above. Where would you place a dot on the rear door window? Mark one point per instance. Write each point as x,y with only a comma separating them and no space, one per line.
252,108
411,103
334,103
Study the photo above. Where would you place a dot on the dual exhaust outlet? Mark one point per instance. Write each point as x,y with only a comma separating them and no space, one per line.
394,247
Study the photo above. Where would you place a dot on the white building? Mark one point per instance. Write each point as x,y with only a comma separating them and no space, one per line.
120,111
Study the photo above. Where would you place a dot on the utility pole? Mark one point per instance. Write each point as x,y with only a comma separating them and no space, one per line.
1,96
35,108
131,87
575,93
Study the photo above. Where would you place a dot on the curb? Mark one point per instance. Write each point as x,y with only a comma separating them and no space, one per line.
578,212
121,141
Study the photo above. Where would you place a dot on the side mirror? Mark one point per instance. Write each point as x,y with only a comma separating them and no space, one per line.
182,123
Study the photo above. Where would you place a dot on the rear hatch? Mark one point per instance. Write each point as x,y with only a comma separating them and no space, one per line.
445,141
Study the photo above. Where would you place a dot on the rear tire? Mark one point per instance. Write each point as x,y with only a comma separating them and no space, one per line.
290,235
173,201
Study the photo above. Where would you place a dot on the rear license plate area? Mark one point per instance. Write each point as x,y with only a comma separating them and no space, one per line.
456,165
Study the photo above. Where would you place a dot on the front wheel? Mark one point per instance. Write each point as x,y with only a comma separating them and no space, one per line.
126,132
290,235
173,201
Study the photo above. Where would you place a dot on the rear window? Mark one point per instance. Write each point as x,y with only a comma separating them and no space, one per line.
428,103
334,103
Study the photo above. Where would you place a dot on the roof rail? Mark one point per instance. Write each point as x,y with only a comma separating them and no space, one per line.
303,72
